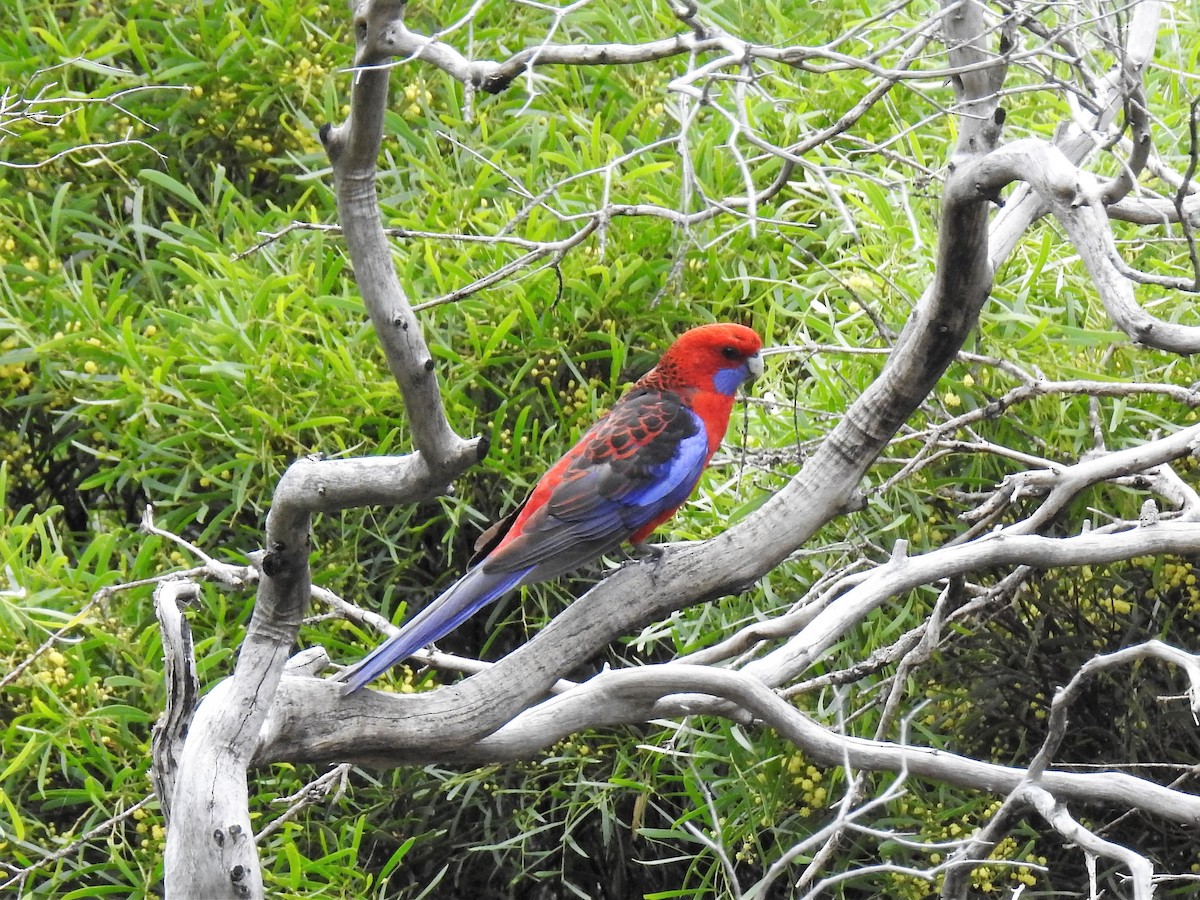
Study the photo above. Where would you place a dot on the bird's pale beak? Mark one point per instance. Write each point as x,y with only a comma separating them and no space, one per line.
754,364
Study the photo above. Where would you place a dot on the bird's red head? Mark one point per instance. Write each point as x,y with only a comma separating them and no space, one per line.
716,358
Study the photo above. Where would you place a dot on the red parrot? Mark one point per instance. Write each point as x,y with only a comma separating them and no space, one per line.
626,476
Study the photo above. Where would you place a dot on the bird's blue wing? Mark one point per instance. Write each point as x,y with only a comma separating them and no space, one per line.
640,461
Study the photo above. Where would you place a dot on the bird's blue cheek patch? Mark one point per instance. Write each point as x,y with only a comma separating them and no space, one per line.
727,381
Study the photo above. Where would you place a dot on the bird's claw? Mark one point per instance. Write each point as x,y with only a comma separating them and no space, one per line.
644,552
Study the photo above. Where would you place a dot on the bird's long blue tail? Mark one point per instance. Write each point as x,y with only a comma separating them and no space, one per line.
461,600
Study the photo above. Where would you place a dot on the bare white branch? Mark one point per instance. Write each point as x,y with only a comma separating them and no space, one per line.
1056,815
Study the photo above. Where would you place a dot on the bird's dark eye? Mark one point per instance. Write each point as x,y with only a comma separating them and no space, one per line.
730,352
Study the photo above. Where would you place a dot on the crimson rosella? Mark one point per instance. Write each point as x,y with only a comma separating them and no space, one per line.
625,477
